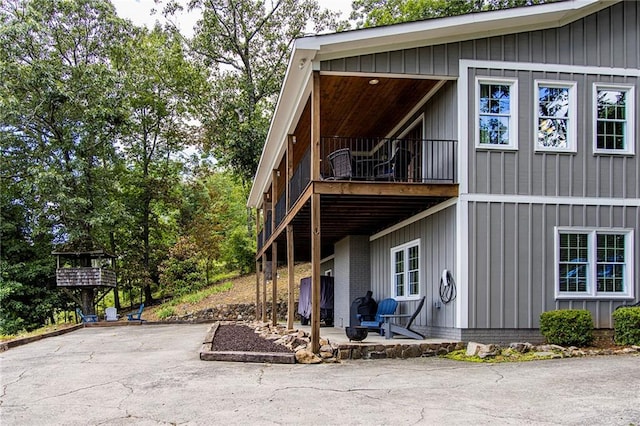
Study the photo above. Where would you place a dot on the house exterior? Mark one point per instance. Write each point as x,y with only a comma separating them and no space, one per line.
519,179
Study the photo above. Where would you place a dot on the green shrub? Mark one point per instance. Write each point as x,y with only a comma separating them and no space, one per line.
165,312
627,325
568,327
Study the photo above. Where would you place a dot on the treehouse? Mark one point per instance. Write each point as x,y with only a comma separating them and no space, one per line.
87,276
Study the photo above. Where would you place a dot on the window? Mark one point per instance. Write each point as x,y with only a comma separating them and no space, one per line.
613,119
594,263
497,113
405,261
555,116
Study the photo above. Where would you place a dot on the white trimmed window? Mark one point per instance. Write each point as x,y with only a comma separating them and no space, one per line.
497,113
614,115
594,263
405,271
555,116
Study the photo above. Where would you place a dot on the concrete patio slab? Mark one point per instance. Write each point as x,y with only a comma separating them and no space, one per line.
152,374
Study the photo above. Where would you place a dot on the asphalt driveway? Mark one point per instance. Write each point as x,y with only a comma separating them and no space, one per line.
151,375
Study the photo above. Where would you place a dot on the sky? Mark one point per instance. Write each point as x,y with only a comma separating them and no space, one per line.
139,11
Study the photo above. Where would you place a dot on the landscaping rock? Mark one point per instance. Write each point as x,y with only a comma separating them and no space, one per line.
521,347
481,350
305,356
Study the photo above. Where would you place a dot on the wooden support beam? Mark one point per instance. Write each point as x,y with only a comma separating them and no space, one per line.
264,287
257,290
290,273
274,284
315,273
274,201
290,170
315,214
315,127
73,296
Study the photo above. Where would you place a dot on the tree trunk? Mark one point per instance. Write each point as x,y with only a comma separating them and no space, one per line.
87,297
116,295
148,297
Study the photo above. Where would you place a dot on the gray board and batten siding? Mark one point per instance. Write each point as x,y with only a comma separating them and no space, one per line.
437,234
524,171
608,38
511,258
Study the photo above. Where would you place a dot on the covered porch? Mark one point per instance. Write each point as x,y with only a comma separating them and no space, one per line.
354,161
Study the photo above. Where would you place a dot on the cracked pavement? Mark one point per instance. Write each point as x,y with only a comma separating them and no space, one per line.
152,375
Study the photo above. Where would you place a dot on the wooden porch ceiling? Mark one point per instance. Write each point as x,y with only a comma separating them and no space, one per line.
353,107
356,214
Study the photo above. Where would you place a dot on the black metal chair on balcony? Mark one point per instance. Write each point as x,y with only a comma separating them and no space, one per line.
396,168
340,161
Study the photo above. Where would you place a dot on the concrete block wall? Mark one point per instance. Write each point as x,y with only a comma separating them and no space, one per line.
352,275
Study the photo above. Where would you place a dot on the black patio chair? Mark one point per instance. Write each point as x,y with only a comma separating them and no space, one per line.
340,162
396,168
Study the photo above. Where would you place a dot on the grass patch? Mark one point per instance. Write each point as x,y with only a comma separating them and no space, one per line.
165,312
505,355
168,309
37,332
198,296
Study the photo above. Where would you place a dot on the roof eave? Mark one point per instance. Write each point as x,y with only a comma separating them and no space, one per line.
309,51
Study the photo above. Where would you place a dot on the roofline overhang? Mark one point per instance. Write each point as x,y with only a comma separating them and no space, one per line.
309,51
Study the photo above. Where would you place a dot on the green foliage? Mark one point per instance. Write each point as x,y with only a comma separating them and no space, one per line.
179,273
59,103
96,115
168,309
238,250
158,85
506,355
165,312
194,298
568,327
627,325
245,45
374,13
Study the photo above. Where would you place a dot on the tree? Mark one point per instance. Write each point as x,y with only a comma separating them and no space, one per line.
213,236
246,46
158,83
60,105
27,270
374,13
59,112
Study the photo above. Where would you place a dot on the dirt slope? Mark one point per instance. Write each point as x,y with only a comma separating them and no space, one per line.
243,291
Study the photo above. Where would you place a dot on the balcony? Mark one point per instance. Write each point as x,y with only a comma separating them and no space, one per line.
366,184
392,160
85,277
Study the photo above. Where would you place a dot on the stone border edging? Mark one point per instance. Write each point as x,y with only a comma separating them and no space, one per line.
5,346
415,349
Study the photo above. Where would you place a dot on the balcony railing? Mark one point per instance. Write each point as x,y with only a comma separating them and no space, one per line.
396,160
281,210
300,179
85,277
368,159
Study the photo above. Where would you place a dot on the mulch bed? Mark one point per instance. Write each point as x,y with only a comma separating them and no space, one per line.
241,338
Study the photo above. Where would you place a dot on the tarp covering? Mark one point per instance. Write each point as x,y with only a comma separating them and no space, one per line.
326,296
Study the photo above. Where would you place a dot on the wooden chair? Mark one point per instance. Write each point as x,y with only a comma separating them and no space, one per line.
86,318
385,307
136,316
111,314
391,328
